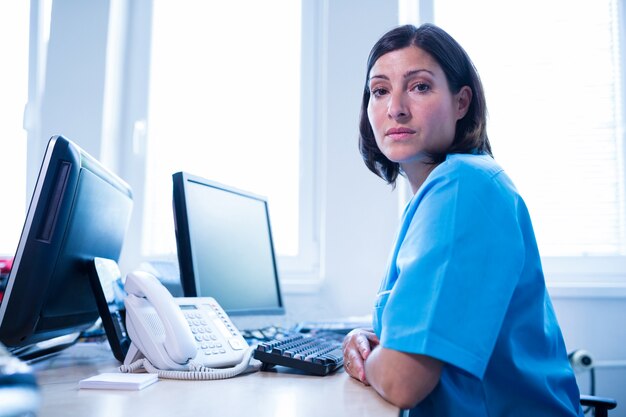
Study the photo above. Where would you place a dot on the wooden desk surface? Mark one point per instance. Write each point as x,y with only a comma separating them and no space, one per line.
285,392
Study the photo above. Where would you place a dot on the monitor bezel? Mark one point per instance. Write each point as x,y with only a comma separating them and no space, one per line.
184,248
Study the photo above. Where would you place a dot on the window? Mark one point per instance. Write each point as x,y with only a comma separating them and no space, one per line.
14,19
224,103
553,76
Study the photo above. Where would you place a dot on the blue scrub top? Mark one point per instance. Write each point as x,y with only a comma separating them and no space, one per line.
465,286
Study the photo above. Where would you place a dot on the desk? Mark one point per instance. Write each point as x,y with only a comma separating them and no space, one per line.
284,392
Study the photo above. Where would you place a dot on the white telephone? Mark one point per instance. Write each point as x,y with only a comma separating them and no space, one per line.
179,334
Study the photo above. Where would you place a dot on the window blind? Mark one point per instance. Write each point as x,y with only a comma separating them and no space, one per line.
553,78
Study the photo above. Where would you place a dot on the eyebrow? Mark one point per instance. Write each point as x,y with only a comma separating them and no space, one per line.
406,75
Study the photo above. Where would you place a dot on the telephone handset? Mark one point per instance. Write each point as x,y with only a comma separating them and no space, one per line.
180,333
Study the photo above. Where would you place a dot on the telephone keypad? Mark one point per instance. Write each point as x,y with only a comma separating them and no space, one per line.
206,339
218,342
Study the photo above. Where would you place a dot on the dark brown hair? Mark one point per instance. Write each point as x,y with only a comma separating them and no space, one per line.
471,130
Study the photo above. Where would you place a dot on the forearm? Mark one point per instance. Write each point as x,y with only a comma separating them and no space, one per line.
400,378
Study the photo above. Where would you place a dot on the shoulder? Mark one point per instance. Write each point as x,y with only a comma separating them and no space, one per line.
465,180
472,172
470,165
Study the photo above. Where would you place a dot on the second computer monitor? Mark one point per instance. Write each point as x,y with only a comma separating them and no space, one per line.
225,246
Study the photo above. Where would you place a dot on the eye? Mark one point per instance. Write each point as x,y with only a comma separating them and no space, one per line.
420,87
379,91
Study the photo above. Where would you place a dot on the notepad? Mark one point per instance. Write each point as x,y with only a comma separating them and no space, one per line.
121,381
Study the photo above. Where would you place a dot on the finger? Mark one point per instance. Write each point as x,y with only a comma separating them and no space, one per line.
350,337
353,359
363,345
355,366
350,343
373,339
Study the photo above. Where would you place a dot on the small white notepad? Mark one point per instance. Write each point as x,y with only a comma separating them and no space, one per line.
118,381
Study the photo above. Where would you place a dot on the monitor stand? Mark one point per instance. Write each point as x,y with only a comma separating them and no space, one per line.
45,349
102,276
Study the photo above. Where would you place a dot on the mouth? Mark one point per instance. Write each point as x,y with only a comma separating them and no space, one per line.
399,132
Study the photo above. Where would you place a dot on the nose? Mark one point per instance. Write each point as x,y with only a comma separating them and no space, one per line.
397,108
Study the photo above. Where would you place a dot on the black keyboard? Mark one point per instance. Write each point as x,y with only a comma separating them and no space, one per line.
265,334
317,355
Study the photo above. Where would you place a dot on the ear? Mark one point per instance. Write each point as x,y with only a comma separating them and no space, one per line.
463,100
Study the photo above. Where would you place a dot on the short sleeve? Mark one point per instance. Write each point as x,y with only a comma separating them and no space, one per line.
457,266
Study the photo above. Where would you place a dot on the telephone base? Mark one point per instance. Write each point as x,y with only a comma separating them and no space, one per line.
133,355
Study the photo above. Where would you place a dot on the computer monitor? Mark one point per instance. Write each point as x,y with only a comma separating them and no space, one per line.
79,210
225,246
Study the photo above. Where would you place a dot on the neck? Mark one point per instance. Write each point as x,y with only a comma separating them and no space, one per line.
417,174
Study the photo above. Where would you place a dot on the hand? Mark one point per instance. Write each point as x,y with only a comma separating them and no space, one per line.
357,346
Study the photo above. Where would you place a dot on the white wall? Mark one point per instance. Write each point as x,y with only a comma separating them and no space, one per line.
73,97
360,209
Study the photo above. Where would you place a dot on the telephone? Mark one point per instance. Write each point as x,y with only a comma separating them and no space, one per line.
177,335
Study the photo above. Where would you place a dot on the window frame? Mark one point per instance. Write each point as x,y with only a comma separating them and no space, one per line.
120,143
301,272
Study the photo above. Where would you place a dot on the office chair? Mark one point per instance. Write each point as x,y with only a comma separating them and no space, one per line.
599,405
582,361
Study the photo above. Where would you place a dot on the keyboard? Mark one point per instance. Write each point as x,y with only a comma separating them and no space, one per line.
265,334
338,326
318,355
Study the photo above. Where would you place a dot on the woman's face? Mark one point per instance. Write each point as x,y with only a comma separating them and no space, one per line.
411,109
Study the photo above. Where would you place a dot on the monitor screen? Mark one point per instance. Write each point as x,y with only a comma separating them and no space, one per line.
79,210
225,247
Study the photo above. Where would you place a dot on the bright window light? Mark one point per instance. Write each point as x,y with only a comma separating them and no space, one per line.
224,105
552,73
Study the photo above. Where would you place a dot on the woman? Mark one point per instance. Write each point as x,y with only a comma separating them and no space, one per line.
463,324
